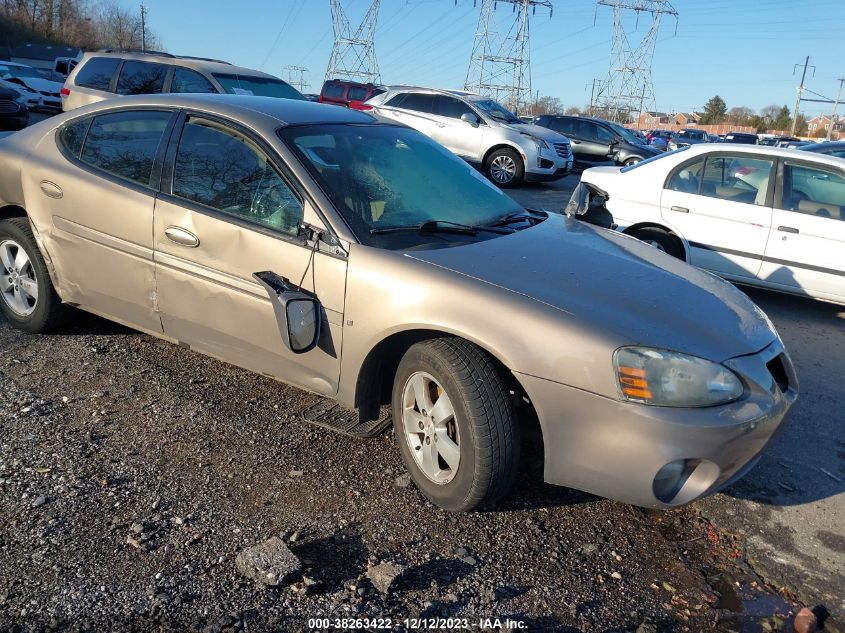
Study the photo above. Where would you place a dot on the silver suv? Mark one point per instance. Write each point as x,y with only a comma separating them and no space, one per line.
107,73
481,131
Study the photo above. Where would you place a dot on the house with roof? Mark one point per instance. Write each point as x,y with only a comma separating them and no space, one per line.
687,118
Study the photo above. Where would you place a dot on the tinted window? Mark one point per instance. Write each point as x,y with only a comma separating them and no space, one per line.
223,170
396,101
141,78
736,178
587,130
125,143
356,93
453,108
185,80
333,91
258,86
61,67
97,73
814,191
72,136
418,102
604,135
564,126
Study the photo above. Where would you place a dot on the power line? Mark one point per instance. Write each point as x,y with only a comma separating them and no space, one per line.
353,54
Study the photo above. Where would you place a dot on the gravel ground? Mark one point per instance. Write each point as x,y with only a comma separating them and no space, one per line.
132,473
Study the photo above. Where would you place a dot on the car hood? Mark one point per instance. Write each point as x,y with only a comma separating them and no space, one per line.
618,284
536,130
44,85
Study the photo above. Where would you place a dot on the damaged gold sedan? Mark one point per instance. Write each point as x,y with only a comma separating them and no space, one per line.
362,261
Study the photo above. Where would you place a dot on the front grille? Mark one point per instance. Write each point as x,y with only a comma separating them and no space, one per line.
778,371
7,106
562,149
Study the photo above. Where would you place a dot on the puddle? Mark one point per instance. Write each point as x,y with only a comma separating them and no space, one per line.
748,609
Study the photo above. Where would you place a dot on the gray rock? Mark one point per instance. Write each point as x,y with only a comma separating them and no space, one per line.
403,480
269,563
459,551
383,576
646,627
40,501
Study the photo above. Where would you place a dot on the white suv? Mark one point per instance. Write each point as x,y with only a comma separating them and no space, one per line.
108,73
481,131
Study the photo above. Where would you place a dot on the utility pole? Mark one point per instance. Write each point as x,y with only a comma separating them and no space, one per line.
835,108
143,28
800,94
300,83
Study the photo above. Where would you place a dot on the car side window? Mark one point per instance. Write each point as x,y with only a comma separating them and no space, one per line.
419,102
189,81
736,178
587,130
334,91
687,179
73,135
141,78
564,126
814,191
97,73
221,169
604,135
356,93
125,143
452,108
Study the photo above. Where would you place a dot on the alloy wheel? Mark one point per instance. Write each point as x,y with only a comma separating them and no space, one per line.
503,169
18,285
431,431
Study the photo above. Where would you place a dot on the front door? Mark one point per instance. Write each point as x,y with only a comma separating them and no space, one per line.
721,204
806,250
453,133
231,211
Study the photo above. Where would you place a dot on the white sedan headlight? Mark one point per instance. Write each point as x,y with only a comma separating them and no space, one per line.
671,379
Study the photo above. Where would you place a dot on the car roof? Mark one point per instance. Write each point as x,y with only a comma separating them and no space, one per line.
767,150
247,109
194,63
447,91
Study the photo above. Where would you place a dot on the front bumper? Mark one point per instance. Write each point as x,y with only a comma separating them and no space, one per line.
617,449
550,164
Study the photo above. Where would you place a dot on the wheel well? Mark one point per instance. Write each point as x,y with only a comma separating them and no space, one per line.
651,225
498,147
375,379
12,211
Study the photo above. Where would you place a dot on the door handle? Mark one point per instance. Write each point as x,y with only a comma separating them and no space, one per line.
680,209
51,189
181,236
787,229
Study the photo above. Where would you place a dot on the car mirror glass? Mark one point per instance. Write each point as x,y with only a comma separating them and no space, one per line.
470,118
298,315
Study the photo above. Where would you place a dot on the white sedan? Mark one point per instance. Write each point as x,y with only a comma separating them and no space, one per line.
756,215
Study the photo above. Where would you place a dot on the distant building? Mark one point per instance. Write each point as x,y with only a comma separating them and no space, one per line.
40,55
817,123
687,118
649,120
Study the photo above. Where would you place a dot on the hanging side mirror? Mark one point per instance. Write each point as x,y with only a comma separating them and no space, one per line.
298,314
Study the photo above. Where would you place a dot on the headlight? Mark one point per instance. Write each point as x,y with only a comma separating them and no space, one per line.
540,143
672,379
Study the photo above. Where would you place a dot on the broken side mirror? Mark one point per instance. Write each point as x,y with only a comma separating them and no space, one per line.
298,314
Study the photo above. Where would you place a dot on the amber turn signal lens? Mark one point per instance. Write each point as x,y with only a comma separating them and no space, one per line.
634,383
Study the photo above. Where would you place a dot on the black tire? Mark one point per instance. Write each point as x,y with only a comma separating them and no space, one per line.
662,240
483,412
49,312
633,160
505,155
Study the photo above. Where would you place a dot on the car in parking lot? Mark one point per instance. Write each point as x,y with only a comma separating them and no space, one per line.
830,148
596,141
109,73
31,80
350,94
762,216
685,137
13,111
743,138
481,131
362,261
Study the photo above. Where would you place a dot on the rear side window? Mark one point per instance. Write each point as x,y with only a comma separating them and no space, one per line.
185,80
333,91
73,135
813,191
125,143
97,73
141,78
419,102
356,93
564,126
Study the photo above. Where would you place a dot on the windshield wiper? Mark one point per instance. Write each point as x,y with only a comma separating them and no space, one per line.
524,215
437,226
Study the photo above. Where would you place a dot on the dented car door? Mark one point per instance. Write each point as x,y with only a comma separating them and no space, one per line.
227,211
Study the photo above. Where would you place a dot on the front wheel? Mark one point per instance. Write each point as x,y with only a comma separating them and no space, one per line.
661,240
455,424
504,167
632,161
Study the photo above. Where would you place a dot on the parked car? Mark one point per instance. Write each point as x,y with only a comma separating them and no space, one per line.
349,93
30,97
666,135
794,143
363,261
687,137
26,76
596,141
714,138
13,111
62,67
773,140
107,73
762,216
831,148
744,138
481,131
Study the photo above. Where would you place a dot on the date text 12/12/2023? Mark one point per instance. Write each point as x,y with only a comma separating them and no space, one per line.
417,624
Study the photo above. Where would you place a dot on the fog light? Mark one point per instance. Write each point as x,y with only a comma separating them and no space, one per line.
671,478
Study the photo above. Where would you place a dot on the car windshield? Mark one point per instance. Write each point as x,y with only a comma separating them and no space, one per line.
382,176
628,135
258,86
18,71
496,111
651,159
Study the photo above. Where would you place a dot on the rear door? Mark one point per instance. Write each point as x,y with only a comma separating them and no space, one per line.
454,134
414,109
806,250
721,204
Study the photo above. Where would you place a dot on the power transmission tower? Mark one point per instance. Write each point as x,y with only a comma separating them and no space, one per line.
296,77
841,80
629,87
353,54
500,64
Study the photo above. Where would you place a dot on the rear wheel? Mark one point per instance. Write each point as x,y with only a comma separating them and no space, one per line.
504,167
455,424
27,297
661,240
